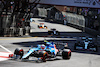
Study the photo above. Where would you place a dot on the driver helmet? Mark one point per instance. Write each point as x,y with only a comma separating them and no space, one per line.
43,46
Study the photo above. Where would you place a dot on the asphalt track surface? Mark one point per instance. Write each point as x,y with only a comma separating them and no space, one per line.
68,34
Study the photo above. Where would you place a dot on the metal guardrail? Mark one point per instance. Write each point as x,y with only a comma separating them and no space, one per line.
75,19
42,12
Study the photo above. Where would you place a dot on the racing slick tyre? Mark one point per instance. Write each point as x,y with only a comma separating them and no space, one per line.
96,49
45,55
38,26
57,33
66,54
49,32
18,52
45,27
95,46
77,45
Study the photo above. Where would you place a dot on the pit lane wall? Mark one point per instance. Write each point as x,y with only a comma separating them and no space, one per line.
77,3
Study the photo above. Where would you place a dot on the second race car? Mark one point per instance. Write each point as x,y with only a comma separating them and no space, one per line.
86,44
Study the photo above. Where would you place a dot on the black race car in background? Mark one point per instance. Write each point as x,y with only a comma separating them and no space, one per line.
53,31
86,44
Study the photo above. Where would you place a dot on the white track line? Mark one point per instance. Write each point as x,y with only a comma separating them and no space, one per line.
5,55
3,59
5,48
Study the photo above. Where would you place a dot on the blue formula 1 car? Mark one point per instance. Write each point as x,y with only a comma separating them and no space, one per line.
86,44
44,51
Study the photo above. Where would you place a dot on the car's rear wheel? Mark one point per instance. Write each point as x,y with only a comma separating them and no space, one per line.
96,49
66,55
49,32
57,33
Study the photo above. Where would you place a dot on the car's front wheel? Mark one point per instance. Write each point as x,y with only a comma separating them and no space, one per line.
18,53
45,55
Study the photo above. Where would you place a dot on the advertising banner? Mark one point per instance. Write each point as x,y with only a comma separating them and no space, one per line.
77,3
